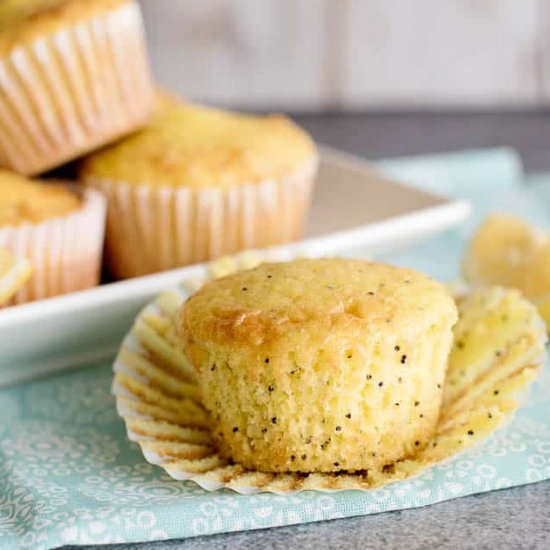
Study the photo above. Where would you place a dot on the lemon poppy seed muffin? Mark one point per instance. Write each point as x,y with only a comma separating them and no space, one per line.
200,182
320,365
74,77
57,228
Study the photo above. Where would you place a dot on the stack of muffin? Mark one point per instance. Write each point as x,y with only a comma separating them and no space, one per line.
175,183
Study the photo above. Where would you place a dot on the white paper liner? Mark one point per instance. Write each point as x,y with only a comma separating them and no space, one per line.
157,395
65,252
74,90
177,226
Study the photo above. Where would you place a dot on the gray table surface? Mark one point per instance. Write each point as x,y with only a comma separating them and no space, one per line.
516,518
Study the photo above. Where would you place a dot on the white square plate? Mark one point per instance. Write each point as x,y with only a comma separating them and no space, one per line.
353,207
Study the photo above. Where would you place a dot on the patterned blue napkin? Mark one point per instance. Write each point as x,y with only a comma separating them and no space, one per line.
68,474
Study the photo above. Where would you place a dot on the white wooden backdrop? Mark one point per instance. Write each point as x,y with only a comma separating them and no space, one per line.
313,54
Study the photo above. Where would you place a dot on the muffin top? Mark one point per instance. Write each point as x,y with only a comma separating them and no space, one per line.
197,146
323,296
23,21
27,201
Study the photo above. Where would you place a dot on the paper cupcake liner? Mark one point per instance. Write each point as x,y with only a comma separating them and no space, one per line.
491,363
177,226
65,252
74,90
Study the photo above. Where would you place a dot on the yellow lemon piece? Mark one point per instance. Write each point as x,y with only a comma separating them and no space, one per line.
510,252
500,250
536,283
14,273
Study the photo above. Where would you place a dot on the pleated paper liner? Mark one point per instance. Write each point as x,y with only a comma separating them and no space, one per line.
187,225
498,349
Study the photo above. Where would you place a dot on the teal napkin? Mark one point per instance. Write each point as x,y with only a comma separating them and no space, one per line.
69,475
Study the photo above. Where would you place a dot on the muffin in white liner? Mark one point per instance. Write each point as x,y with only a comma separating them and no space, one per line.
73,76
65,251
181,226
158,397
199,183
320,365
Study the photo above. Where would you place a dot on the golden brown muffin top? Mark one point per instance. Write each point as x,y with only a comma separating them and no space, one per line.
29,201
323,296
23,21
197,146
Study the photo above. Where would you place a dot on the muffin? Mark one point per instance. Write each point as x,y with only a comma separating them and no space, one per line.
199,183
58,229
320,365
508,251
73,76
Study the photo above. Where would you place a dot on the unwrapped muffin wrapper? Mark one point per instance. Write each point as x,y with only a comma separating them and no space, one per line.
74,90
65,252
498,349
177,226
